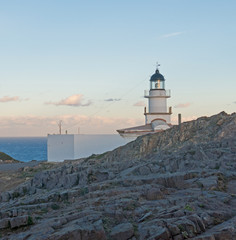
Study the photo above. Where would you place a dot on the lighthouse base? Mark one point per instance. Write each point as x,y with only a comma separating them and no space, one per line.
134,132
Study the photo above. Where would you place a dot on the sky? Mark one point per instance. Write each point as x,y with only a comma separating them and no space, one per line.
87,63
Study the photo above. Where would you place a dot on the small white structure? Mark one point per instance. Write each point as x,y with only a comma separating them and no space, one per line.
62,147
158,117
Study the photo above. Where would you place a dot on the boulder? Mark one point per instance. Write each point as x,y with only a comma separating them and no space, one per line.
19,221
154,194
122,231
4,223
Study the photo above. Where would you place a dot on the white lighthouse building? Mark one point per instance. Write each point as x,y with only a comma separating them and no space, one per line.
157,100
157,118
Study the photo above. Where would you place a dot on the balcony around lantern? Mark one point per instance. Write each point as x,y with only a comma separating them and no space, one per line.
157,93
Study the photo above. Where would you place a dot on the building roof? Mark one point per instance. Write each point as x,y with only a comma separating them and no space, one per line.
142,128
155,126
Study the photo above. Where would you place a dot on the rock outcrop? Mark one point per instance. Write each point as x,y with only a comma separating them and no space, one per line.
178,184
5,158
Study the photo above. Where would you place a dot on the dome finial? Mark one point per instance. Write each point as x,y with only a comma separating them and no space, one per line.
157,65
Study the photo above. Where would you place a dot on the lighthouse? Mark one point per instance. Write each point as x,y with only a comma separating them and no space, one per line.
158,115
157,101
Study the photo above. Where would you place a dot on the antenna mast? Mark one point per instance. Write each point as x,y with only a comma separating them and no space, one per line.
59,125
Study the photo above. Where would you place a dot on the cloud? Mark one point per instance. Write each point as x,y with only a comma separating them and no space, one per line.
112,99
12,99
140,104
42,125
171,34
75,100
182,105
235,102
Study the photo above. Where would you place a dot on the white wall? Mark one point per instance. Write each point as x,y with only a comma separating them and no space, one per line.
157,101
150,118
157,105
62,147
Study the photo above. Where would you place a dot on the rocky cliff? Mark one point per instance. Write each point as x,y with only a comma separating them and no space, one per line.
178,184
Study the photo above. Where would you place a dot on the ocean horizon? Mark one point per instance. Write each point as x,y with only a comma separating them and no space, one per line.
26,149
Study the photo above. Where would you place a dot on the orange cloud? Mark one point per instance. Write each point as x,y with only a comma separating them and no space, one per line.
183,105
75,100
140,104
11,99
42,125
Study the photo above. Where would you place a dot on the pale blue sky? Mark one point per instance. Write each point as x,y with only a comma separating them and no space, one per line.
52,50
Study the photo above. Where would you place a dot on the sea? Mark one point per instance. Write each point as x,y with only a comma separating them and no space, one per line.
25,149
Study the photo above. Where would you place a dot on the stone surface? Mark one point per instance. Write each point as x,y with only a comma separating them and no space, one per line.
122,231
16,222
178,184
154,194
4,223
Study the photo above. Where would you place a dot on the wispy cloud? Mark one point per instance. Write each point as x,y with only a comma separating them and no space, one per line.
171,34
234,102
42,125
112,99
183,105
140,104
75,100
12,99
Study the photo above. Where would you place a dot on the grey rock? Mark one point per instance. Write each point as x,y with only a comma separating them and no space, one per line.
147,215
200,226
178,237
175,184
19,221
154,194
81,231
160,233
5,196
122,231
4,223
144,170
209,237
174,230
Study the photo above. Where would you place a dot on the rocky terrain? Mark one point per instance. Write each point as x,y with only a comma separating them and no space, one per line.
178,184
4,158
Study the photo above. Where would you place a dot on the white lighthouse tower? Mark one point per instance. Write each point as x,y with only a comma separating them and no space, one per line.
157,118
157,102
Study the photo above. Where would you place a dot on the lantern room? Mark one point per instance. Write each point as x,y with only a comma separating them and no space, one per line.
157,81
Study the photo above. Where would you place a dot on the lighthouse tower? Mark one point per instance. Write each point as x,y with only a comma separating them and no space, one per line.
157,118
157,102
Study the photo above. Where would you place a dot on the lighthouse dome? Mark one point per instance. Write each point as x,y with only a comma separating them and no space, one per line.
157,76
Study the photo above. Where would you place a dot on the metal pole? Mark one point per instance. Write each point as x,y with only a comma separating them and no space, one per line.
179,118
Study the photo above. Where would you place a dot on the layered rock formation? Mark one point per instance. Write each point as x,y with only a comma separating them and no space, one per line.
178,184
